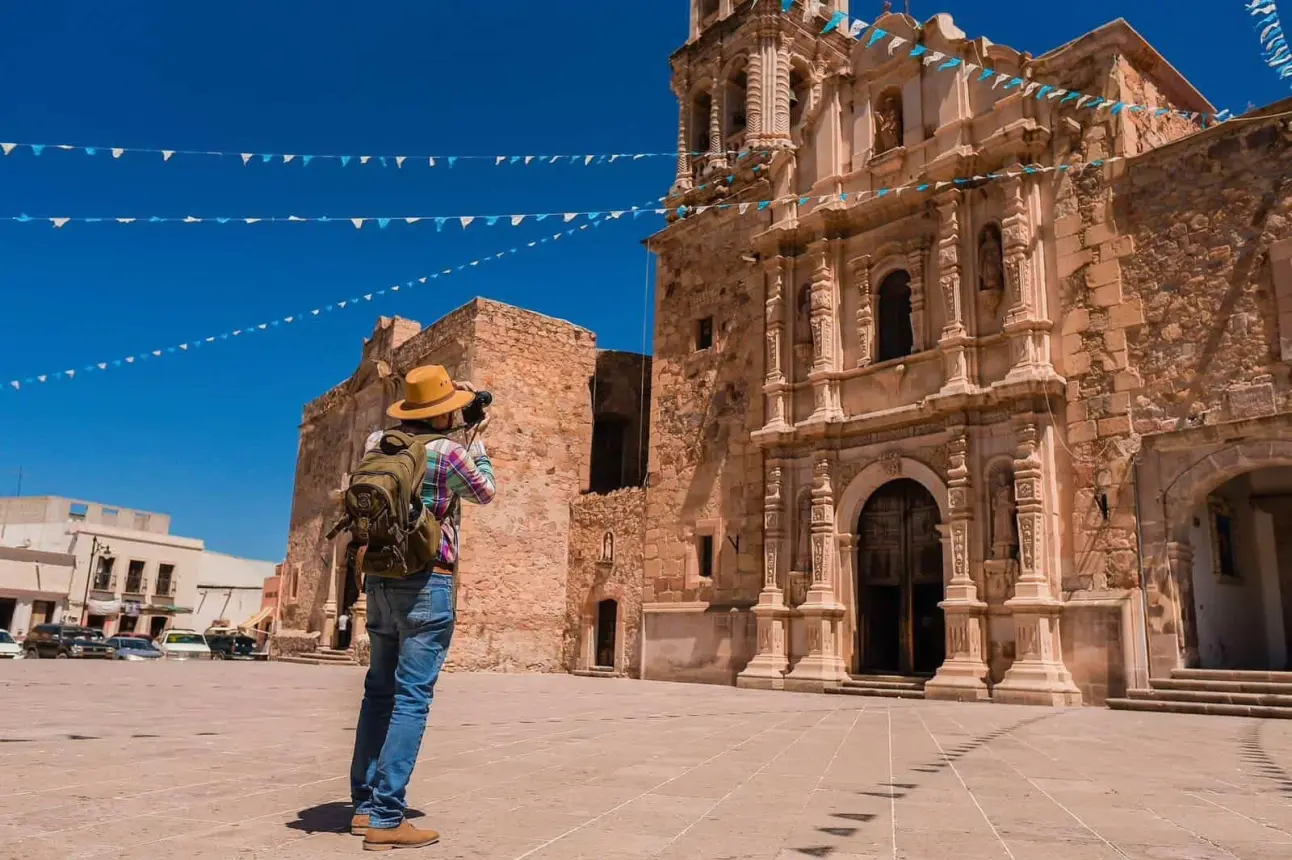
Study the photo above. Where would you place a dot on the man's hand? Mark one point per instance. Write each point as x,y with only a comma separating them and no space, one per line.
483,425
464,386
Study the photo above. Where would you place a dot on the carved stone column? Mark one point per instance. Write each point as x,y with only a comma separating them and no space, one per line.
1023,326
1179,557
683,180
1038,676
754,98
781,127
717,147
963,677
821,317
860,270
955,340
822,665
767,669
915,262
775,387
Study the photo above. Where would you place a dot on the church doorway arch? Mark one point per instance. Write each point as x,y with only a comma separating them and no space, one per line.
900,627
606,635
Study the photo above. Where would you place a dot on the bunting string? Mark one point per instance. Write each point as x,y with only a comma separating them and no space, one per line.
398,161
1274,44
918,187
515,220
876,37
303,316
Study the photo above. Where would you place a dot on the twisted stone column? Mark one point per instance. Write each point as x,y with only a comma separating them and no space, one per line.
954,341
717,149
754,99
781,129
821,319
683,181
775,388
767,669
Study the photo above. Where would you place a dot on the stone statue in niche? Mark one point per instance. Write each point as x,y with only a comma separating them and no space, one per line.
803,534
608,547
888,122
991,267
1004,525
803,316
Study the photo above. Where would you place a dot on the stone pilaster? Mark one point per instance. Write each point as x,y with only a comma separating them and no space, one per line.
963,677
754,97
1024,327
954,341
859,269
767,669
717,147
781,127
683,181
821,319
775,387
915,263
822,665
1179,557
1038,676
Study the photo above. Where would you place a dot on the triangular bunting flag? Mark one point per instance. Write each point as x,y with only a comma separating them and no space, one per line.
59,222
8,147
364,159
117,153
516,219
167,153
399,161
357,222
895,43
466,221
246,157
588,160
528,159
570,216
411,220
288,159
499,160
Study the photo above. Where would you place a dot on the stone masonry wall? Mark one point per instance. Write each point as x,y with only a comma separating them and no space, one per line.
593,578
1169,321
512,592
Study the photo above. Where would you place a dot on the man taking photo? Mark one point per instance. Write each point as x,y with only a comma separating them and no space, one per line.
411,618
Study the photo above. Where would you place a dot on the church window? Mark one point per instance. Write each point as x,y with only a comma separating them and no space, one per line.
896,338
704,334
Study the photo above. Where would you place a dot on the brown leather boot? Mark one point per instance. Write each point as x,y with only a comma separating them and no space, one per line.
403,836
359,825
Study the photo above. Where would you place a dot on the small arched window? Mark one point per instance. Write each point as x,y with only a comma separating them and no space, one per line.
700,108
896,338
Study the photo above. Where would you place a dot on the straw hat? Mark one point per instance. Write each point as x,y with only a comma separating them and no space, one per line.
430,393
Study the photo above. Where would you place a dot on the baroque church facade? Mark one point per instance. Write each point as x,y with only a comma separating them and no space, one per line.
1017,433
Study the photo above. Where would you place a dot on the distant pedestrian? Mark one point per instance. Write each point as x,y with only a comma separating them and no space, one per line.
343,631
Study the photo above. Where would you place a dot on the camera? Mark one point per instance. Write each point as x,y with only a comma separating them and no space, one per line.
474,412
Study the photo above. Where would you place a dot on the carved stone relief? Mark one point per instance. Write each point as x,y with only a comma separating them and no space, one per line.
888,122
1004,523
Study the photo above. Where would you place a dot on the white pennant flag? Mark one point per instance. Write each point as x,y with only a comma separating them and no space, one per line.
528,159
588,160
65,146
287,159
130,359
117,153
499,160
212,339
1030,88
824,198
253,220
184,346
71,374
16,384
421,280
638,156
364,159
43,377
295,218
555,158
167,153
894,43
399,160
315,312
447,272
970,68
58,222
191,220
934,57
613,158
516,219
1000,79
1082,100
475,262
357,222
126,220
616,215
367,297
570,216
466,220
103,365
342,304
8,147
432,161
246,157
531,244
411,220
1055,94
157,352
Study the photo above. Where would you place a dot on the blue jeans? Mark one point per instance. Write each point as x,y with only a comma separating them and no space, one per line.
410,625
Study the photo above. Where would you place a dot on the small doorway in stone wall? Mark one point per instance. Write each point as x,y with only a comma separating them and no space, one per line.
606,645
1240,536
900,627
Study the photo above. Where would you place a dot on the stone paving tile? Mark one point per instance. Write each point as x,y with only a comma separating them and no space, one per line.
249,762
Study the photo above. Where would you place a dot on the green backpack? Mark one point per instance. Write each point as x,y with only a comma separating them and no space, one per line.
391,532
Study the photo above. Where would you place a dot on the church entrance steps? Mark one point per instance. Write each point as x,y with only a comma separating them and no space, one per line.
322,657
1267,695
883,686
595,673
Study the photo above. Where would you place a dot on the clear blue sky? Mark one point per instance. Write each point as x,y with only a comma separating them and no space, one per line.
210,436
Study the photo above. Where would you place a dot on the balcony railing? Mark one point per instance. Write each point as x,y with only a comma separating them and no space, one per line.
136,586
165,589
104,583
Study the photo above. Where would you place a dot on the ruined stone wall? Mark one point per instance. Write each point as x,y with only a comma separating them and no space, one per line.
593,577
706,475
1169,324
512,591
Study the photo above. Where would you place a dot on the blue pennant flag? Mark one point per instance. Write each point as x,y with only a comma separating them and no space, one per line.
924,187
306,159
345,160
266,158
763,205
787,5
382,159
90,150
382,223
439,224
592,216
491,220
986,73
835,20
875,35
542,217
919,50
37,148
453,159
223,220
514,159
950,64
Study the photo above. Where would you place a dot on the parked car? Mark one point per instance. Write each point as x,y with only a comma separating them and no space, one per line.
9,649
231,644
63,641
183,645
134,648
143,636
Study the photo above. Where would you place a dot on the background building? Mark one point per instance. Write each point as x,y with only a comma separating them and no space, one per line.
127,573
230,590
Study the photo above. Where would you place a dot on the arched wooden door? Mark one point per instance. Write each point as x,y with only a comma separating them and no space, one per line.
900,627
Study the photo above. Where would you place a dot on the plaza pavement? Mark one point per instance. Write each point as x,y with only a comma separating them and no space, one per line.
231,761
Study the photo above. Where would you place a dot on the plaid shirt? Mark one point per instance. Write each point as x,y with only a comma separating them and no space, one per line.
451,471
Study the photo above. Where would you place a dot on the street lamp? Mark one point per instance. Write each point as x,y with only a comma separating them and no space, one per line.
97,547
